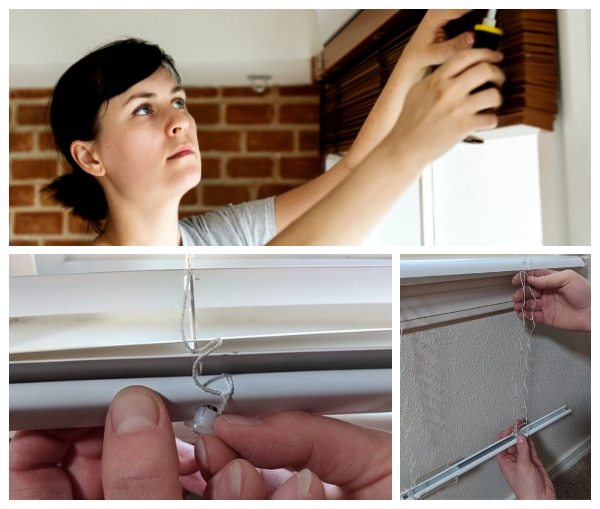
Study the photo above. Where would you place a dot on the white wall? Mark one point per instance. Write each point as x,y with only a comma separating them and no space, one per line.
210,46
462,383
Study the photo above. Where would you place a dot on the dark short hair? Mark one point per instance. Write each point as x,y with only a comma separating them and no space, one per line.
74,114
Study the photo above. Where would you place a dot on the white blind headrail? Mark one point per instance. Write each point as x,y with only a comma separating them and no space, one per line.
437,289
440,267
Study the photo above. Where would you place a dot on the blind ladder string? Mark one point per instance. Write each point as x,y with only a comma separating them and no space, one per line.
525,307
188,293
205,414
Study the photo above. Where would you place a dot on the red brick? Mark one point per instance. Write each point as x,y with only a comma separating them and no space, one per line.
273,141
211,167
218,145
20,142
47,201
309,140
192,92
192,211
84,241
32,114
245,92
21,196
249,114
250,167
24,169
224,141
75,224
18,242
30,93
273,190
27,223
190,198
300,167
308,90
205,114
300,113
213,195
46,141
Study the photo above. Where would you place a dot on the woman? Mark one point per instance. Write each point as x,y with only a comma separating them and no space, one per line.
119,117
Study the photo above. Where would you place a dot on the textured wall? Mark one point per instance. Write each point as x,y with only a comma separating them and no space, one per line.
462,383
253,146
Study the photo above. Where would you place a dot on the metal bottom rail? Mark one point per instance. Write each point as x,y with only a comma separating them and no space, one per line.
451,473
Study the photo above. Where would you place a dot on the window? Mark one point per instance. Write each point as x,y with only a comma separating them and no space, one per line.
530,182
486,194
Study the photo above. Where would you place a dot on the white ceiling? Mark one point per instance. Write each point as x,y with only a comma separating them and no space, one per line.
210,47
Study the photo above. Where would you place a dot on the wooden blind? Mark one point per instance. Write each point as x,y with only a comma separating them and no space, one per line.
350,87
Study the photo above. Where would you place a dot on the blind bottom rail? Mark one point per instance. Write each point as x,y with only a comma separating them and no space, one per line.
84,403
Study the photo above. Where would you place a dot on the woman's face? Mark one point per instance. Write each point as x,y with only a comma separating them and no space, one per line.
147,142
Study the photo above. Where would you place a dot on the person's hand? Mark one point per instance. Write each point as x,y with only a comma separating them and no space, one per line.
562,299
307,457
134,457
440,110
523,470
430,46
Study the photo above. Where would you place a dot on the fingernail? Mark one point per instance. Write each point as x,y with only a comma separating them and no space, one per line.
469,38
521,439
235,478
240,420
498,55
200,453
229,483
134,411
303,483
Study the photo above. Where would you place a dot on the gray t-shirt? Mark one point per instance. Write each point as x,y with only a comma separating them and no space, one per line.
247,224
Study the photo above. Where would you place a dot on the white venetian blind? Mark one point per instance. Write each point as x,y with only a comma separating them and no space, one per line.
440,288
299,332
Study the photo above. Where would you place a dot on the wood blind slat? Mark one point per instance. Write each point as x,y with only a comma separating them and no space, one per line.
530,93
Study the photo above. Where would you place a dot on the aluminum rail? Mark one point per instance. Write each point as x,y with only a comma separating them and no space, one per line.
463,466
82,403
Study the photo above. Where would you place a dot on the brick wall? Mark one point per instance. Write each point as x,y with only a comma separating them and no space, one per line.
252,146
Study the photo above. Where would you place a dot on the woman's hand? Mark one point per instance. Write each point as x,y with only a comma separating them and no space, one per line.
430,45
441,109
307,456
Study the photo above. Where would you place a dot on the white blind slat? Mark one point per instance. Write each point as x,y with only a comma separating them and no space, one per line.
305,333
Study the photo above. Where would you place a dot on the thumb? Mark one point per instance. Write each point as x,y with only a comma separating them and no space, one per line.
552,280
139,459
446,49
523,459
